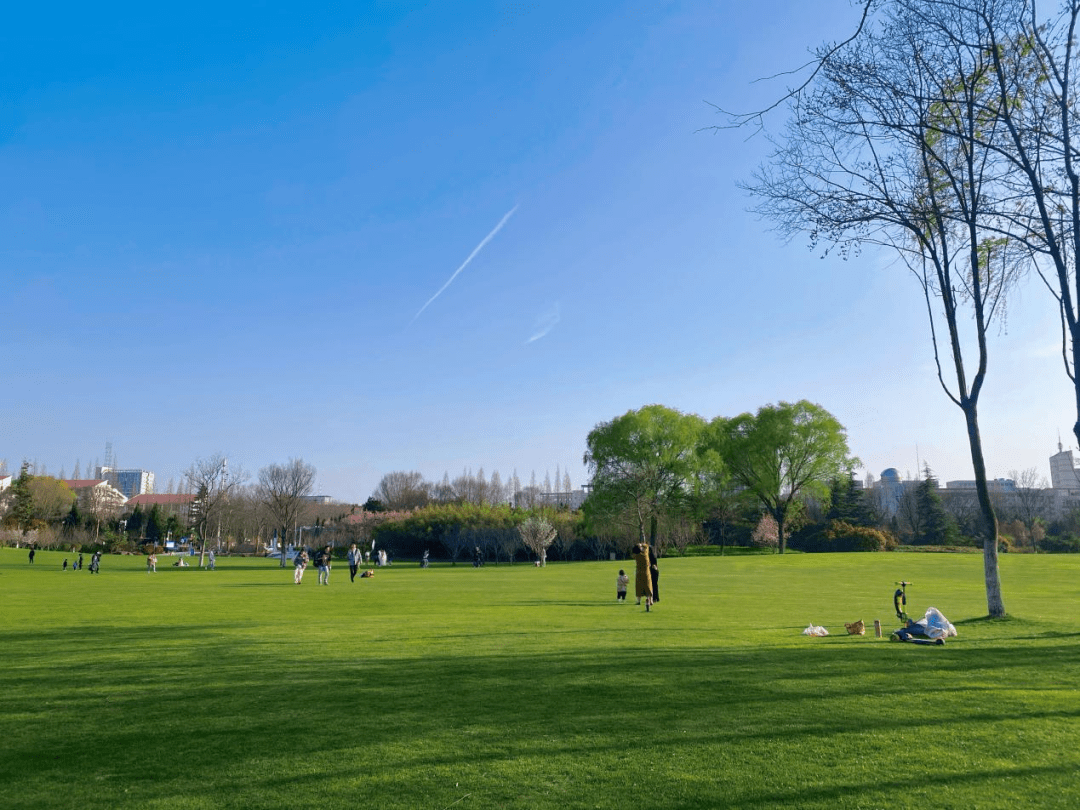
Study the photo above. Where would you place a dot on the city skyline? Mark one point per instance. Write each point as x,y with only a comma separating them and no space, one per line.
432,239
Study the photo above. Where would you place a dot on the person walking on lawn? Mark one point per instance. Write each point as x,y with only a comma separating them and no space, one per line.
356,558
322,560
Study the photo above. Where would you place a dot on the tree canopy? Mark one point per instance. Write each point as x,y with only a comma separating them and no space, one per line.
783,454
643,467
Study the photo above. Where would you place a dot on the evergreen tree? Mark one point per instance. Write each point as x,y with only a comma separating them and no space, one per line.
22,506
848,502
936,526
155,524
135,523
73,520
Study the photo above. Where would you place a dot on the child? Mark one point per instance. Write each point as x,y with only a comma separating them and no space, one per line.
621,583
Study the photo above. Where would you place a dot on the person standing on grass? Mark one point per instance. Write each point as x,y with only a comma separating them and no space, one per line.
643,577
78,565
322,560
151,563
654,574
31,555
65,563
210,556
356,557
300,562
621,583
95,562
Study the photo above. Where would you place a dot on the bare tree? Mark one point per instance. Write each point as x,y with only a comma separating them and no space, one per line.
1033,499
1035,85
212,483
496,489
283,489
402,490
469,488
892,145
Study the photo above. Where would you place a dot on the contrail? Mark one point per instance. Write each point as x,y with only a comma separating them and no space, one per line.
545,323
465,263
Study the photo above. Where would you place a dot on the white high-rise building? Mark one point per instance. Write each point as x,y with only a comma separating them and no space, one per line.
1063,471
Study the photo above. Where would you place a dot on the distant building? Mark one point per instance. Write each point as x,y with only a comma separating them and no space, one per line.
179,505
5,481
1005,485
1063,496
130,482
1063,471
890,489
320,499
97,496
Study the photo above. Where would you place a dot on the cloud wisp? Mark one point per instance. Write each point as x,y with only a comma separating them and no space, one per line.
545,323
465,263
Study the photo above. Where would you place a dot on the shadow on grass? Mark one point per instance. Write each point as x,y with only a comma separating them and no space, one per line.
271,719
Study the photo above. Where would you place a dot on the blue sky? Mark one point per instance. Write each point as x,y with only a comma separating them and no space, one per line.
228,228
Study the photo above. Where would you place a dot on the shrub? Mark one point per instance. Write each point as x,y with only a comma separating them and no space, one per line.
1060,544
837,535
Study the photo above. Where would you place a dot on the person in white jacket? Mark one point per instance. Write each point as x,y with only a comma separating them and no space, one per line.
356,559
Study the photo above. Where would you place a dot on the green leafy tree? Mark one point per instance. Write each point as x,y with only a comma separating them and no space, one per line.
781,455
643,467
51,499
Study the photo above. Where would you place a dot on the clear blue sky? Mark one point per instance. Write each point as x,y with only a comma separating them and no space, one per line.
225,228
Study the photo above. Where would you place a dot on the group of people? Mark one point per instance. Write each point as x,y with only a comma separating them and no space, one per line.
646,581
324,560
95,562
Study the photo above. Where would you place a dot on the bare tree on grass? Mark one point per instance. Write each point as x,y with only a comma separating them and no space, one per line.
1033,501
283,489
891,144
212,483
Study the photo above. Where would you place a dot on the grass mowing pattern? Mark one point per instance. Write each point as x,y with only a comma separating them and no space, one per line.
522,688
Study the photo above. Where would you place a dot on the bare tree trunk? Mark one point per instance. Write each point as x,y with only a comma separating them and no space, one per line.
995,605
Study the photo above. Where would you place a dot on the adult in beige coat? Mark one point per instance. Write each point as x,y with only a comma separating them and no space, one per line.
643,579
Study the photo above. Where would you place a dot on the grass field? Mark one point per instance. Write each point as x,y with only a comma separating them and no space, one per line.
522,688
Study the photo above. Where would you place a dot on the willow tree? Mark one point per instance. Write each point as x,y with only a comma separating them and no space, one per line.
644,465
893,143
782,455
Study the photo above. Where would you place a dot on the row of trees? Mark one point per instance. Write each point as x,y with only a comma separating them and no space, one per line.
224,509
661,474
410,490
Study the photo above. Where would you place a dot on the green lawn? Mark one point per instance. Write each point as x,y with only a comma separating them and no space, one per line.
524,688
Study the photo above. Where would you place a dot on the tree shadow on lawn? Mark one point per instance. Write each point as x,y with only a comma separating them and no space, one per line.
75,704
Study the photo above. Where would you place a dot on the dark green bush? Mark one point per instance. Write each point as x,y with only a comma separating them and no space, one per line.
837,535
